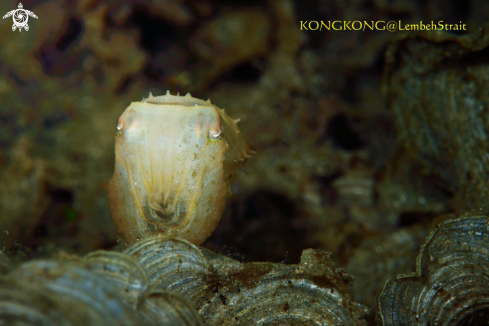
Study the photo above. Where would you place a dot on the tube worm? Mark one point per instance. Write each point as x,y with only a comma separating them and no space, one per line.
175,159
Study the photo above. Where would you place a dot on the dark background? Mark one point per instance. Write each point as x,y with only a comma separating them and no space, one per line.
329,173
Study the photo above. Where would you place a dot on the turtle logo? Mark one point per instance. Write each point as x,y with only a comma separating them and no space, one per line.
20,17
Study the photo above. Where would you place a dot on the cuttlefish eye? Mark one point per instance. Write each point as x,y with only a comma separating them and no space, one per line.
215,135
213,123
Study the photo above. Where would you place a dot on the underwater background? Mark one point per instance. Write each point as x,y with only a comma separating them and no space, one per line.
364,140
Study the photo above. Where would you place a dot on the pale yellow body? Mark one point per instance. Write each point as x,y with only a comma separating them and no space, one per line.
175,159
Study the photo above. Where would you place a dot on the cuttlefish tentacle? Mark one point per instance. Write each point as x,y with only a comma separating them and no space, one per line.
176,157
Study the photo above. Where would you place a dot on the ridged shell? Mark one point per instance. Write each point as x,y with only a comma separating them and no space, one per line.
79,293
435,84
227,292
21,304
169,308
173,264
123,274
105,288
176,157
451,283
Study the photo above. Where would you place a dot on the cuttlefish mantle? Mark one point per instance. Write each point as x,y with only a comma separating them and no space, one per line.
175,159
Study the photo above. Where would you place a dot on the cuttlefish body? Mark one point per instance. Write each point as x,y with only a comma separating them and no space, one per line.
175,159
